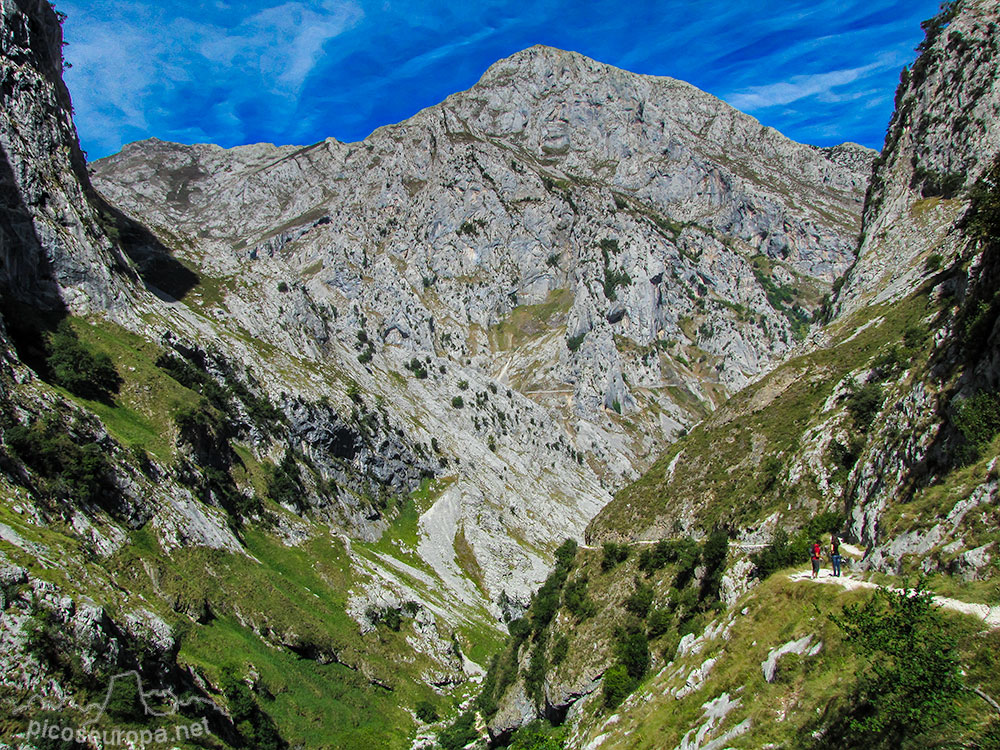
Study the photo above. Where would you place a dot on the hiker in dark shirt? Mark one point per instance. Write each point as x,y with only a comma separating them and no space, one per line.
816,551
835,554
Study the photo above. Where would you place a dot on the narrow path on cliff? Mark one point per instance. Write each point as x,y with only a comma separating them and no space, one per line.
986,613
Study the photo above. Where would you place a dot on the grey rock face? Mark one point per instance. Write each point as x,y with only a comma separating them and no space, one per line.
803,645
594,244
53,247
506,194
942,136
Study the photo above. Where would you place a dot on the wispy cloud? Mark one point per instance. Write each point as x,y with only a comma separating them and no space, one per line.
301,70
828,87
140,69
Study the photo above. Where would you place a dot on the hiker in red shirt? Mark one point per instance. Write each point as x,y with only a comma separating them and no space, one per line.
815,559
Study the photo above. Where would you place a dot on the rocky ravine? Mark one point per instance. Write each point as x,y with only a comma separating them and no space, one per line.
601,257
451,341
871,421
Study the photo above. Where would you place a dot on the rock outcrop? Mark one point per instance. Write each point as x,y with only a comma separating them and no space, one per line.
56,246
939,143
599,257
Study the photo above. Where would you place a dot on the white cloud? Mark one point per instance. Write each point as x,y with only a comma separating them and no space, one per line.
819,85
129,61
281,43
798,87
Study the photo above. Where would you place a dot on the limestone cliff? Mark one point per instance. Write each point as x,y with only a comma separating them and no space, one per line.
56,246
599,257
884,430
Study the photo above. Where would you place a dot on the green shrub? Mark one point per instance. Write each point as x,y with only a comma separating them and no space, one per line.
844,456
913,677
639,602
457,402
783,552
534,676
193,378
417,368
632,661
255,726
284,486
546,601
655,557
890,362
282,287
81,372
460,733
73,468
576,600
472,228
713,555
573,342
125,701
538,736
614,279
392,619
616,686
770,471
775,556
659,622
687,556
684,552
566,553
978,421
863,405
683,602
559,650
614,554
519,629
934,262
983,218
426,712
140,459
217,485
632,649
914,336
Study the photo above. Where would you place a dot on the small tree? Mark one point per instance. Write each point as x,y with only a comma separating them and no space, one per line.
79,371
616,684
614,553
912,678
863,405
639,602
426,712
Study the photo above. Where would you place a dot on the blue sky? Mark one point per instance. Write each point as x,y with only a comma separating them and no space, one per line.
820,71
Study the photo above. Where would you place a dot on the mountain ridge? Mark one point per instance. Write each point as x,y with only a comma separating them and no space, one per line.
865,433
464,236
369,388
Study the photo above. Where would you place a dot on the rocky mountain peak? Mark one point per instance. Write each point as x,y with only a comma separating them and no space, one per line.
616,252
370,387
